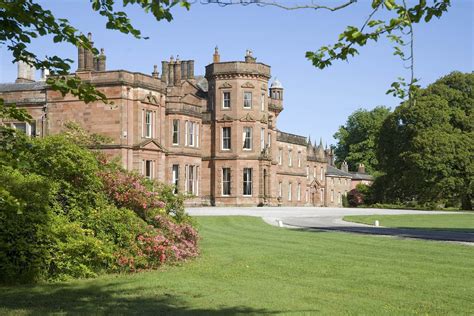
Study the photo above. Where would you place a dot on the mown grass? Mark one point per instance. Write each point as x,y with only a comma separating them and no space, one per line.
455,222
248,267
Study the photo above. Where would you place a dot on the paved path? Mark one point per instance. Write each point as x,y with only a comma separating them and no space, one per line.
318,218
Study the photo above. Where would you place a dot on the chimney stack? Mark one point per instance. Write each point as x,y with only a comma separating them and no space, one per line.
361,168
184,69
26,72
101,60
44,74
216,58
155,74
171,71
344,166
177,72
164,72
249,56
89,56
80,58
190,69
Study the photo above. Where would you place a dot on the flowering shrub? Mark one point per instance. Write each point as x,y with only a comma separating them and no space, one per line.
163,242
65,212
127,190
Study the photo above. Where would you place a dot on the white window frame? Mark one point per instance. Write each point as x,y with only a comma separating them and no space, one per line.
290,158
298,192
315,176
223,138
175,179
247,182
148,124
262,138
289,191
322,174
247,100
191,127
307,171
262,102
226,101
299,159
226,181
269,139
280,156
280,189
247,134
175,132
186,123
196,134
150,164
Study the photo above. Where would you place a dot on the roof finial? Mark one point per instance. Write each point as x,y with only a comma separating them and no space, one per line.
216,58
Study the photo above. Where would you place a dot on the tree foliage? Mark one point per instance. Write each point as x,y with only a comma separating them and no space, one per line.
357,139
426,148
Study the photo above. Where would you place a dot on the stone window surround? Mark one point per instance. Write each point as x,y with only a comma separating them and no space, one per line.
247,138
247,182
226,181
247,100
175,132
224,99
226,137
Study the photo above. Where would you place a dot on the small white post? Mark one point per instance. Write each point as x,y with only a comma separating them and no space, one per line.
377,223
280,223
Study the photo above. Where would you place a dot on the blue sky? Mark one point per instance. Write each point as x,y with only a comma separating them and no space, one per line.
316,101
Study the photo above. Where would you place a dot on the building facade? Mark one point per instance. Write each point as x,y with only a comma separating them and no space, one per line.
214,137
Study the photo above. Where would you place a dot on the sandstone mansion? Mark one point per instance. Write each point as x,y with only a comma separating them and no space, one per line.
213,136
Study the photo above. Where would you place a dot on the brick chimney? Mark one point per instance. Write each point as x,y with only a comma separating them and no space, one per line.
361,168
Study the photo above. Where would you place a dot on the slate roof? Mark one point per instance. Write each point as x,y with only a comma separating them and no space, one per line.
291,138
361,176
28,86
202,83
333,171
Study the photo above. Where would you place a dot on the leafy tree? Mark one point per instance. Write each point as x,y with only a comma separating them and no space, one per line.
357,140
426,148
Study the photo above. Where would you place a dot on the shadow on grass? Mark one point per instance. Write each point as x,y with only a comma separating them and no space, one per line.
460,235
109,299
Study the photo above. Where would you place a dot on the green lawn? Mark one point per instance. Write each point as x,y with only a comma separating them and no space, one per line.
456,222
248,266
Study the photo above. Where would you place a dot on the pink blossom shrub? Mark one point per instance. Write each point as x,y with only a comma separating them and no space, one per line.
128,190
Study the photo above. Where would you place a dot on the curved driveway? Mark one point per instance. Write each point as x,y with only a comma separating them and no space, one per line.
318,218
